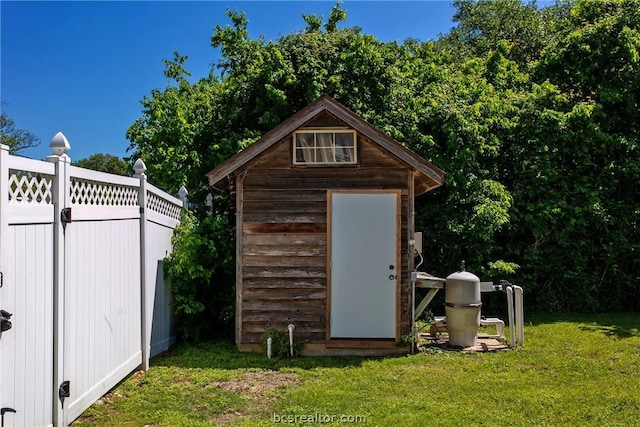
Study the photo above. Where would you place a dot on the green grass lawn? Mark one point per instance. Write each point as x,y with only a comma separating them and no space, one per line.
574,370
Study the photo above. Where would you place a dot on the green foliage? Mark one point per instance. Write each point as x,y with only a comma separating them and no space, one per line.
16,139
483,24
200,270
503,267
280,347
105,163
532,112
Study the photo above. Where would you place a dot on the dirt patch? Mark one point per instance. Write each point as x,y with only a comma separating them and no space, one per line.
259,388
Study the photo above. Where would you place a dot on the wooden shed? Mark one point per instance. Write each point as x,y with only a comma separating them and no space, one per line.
324,215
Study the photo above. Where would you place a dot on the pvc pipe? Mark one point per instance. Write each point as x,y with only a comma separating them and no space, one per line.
414,340
519,314
269,341
291,327
512,331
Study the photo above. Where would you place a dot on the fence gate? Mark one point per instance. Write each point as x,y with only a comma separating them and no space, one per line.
102,300
26,292
81,284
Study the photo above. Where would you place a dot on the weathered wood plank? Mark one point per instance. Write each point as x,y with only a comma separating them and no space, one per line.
281,206
324,173
291,294
272,306
285,217
284,272
301,327
375,179
239,260
290,317
277,282
279,228
290,261
284,251
286,195
291,239
256,337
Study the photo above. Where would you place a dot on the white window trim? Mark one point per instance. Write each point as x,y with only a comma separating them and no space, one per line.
326,130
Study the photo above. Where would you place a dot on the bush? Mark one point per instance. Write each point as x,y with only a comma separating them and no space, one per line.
201,272
280,343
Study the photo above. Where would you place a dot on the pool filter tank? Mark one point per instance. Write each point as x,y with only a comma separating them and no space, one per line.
462,308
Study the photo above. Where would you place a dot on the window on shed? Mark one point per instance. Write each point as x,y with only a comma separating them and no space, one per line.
322,147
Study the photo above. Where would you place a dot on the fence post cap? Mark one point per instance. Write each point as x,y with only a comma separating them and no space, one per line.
182,192
139,167
59,144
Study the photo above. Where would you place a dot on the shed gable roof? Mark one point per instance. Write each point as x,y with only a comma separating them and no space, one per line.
427,175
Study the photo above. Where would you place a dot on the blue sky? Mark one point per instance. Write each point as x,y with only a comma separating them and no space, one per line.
82,67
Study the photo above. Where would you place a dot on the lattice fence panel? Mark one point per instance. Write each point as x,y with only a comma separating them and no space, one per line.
163,206
27,187
94,193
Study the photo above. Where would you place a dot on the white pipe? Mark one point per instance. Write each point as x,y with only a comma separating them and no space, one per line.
269,341
291,327
512,331
414,339
519,314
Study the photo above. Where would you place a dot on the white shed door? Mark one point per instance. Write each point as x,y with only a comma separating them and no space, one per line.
364,254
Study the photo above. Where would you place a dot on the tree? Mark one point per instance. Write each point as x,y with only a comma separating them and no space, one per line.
105,163
482,24
595,62
542,171
16,139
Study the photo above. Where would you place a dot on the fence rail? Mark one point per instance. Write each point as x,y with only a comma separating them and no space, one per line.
81,274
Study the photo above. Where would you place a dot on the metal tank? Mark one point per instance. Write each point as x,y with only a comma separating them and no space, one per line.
462,308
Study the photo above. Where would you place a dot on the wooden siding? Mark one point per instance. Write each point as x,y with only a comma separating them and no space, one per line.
282,247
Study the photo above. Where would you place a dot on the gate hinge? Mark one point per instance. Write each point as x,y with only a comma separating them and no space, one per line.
65,389
4,411
5,323
65,215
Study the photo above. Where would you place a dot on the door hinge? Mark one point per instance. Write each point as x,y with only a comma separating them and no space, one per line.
65,215
65,389
1,279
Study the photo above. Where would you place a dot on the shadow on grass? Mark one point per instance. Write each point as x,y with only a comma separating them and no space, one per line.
224,355
613,330
617,325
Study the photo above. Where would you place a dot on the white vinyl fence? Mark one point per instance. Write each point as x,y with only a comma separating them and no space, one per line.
81,275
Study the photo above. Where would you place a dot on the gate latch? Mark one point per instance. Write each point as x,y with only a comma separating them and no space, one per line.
65,389
65,215
5,324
